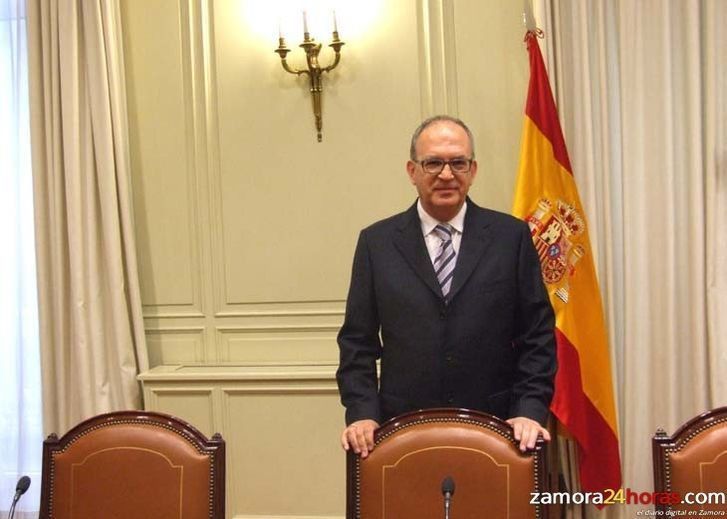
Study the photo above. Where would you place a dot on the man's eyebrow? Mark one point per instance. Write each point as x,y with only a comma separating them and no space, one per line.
430,157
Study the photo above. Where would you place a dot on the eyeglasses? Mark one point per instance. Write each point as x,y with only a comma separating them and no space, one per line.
436,166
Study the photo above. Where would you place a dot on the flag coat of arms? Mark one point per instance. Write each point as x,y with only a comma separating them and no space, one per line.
546,197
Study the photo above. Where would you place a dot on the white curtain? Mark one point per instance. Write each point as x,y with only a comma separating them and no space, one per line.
91,326
20,403
641,89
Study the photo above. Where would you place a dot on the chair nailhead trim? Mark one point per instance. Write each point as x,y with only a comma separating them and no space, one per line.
187,437
357,466
680,444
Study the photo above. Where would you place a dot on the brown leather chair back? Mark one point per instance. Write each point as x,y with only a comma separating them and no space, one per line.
136,464
402,477
694,460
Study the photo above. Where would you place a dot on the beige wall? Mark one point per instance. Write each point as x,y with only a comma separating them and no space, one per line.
246,225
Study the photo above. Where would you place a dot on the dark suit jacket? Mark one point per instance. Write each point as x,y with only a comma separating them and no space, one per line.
491,348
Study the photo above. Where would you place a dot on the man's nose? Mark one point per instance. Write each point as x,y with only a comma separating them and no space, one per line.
446,172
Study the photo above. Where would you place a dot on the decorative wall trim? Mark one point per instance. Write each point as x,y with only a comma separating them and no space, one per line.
303,328
181,334
284,309
240,373
165,314
152,394
288,388
437,57
284,313
276,343
194,42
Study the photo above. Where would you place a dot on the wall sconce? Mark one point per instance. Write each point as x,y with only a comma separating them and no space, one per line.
314,70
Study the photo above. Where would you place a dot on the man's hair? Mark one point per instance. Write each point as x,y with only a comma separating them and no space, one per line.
435,119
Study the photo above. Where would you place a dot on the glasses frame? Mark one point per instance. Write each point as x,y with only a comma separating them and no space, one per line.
446,163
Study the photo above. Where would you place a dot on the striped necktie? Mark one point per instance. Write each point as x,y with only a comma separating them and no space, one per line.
446,258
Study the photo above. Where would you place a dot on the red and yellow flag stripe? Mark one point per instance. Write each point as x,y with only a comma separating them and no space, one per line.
547,197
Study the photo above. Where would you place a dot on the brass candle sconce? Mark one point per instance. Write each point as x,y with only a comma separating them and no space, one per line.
314,70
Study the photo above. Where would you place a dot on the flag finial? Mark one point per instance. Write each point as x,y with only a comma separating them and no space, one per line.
528,17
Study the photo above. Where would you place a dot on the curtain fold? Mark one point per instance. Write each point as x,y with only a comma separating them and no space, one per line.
641,88
20,402
91,327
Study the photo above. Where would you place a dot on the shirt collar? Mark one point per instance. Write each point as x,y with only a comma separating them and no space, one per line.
429,223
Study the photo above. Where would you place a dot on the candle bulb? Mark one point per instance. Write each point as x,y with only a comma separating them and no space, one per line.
335,23
305,22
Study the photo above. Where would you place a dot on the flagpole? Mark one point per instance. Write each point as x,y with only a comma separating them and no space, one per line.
528,17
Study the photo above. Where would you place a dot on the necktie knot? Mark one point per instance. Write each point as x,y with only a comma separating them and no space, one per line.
443,231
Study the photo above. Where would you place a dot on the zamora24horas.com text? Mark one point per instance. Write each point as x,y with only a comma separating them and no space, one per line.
627,496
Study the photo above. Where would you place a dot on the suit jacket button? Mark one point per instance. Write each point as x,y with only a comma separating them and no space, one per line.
449,359
443,314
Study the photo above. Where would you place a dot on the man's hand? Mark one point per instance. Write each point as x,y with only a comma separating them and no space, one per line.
359,436
526,431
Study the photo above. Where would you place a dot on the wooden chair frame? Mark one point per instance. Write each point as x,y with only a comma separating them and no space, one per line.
480,419
663,445
214,448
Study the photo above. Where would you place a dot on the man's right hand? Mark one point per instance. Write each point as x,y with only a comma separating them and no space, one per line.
359,436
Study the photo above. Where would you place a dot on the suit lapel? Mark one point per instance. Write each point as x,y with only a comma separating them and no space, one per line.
410,242
476,238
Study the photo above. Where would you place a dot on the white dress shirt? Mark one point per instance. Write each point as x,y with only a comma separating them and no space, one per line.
430,237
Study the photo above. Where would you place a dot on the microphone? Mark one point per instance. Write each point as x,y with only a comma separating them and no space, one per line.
448,492
20,489
22,486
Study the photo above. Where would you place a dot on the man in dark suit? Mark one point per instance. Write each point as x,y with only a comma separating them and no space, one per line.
450,297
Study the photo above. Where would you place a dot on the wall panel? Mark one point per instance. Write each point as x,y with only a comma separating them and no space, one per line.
281,426
258,344
161,124
295,454
289,207
177,344
492,76
241,214
246,225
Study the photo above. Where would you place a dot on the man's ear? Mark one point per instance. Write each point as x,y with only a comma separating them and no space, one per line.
411,170
473,171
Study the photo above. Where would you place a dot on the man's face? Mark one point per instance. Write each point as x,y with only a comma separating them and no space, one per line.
442,195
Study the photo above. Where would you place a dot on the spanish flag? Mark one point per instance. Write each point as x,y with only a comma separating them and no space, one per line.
546,197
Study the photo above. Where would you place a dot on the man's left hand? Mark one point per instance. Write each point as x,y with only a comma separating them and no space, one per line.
526,431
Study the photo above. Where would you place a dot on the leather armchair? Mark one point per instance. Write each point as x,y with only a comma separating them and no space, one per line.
413,453
136,464
694,460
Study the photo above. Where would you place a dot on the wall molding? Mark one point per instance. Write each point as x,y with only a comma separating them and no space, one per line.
179,334
437,57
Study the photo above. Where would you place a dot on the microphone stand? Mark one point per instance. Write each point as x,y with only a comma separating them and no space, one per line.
20,489
448,492
11,513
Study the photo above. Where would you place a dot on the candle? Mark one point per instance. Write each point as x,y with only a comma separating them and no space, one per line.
335,24
305,22
280,27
